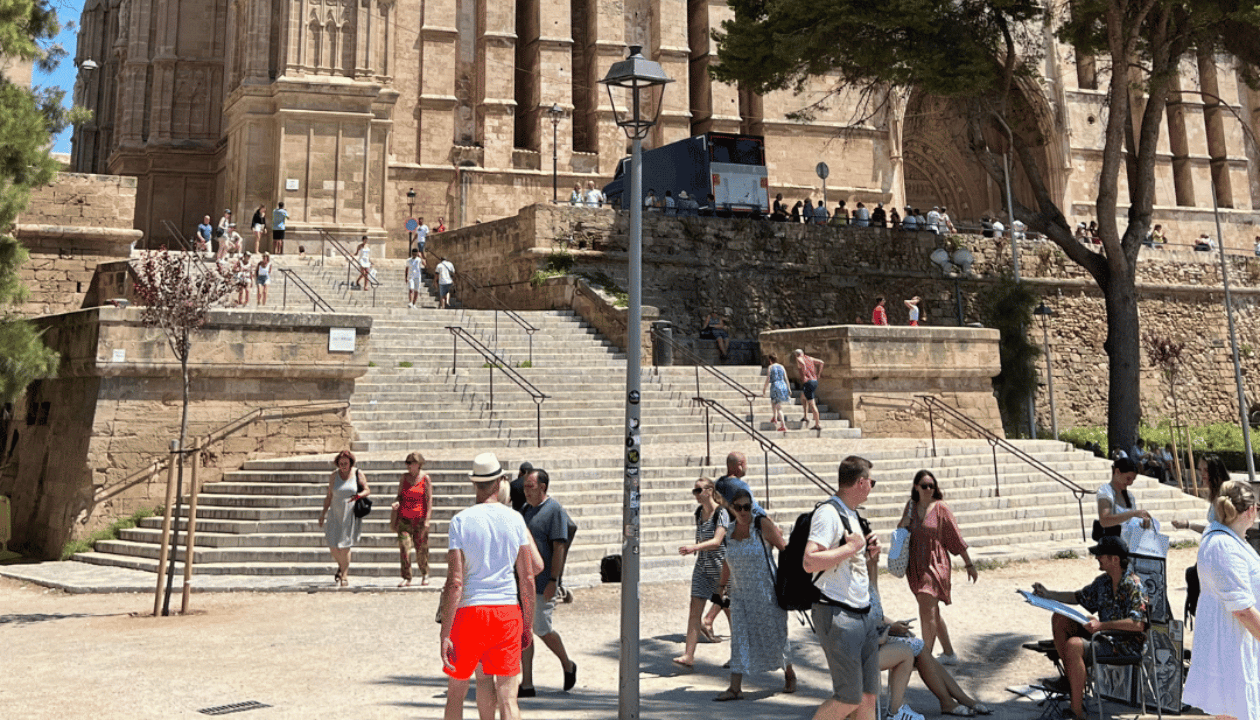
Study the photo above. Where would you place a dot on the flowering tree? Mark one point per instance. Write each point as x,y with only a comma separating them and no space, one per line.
176,292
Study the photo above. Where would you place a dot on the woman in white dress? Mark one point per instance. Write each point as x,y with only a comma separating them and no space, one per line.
364,254
1224,677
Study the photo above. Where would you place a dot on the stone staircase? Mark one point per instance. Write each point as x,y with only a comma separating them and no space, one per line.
262,519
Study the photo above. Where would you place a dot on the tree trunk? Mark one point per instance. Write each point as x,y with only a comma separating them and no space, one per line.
179,477
1124,352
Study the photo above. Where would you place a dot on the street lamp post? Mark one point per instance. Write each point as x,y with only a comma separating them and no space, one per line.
1045,313
411,202
638,75
954,266
556,112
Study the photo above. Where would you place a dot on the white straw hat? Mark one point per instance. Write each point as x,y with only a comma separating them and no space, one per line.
486,467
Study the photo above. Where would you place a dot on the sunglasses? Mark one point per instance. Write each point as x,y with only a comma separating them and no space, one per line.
927,487
743,507
696,491
872,480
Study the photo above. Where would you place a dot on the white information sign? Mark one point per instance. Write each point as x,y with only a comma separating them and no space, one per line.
341,340
290,184
120,355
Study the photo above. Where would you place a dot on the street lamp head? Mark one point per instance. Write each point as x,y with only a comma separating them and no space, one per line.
964,259
88,65
1044,311
556,112
637,74
411,193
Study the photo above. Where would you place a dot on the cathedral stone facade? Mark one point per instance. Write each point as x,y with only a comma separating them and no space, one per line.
338,108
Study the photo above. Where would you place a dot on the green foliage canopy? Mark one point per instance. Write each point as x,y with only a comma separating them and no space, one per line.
28,120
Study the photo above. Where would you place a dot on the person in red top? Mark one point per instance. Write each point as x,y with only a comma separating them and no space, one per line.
809,368
880,315
410,518
934,536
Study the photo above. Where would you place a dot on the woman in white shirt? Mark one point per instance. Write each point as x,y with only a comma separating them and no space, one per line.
1224,677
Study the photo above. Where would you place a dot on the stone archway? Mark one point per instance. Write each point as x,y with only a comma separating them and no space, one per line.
940,168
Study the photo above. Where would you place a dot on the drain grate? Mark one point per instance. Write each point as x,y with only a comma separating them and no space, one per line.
233,708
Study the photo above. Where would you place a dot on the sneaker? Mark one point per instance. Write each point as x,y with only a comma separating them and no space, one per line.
950,659
905,713
411,305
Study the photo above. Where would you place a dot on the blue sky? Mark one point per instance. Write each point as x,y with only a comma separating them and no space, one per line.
63,77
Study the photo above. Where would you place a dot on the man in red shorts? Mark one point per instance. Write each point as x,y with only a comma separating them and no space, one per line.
484,619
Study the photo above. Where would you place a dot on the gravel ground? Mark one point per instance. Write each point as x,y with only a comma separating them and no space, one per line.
371,654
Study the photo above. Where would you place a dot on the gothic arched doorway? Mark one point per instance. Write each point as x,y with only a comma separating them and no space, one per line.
941,169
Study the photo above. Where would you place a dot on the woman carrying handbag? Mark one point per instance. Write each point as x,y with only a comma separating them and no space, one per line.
342,526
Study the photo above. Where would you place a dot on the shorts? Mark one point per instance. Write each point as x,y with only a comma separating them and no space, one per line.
258,227
486,634
420,245
413,283
444,289
277,234
543,610
809,390
1102,646
851,643
263,280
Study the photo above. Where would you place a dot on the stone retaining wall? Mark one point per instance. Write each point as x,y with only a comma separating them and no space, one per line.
779,275
70,227
81,447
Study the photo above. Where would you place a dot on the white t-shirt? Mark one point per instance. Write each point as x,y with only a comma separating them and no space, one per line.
413,268
490,535
847,582
914,313
594,198
422,233
444,271
1108,493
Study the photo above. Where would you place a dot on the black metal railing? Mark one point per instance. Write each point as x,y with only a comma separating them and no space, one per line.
934,405
768,446
494,362
181,243
694,358
317,302
353,265
466,285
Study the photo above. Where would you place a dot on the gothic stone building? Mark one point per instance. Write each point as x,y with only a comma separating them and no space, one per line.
338,108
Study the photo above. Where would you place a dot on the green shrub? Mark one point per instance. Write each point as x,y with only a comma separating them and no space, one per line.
525,364
74,547
1066,555
404,363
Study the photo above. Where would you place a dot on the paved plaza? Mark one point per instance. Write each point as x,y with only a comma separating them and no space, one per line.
372,651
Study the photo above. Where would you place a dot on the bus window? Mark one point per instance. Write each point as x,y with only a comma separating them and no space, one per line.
720,150
749,152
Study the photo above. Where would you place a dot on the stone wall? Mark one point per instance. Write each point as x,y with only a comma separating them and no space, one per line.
82,447
873,376
69,228
777,275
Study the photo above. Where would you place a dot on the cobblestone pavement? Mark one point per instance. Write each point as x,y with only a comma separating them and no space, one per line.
374,654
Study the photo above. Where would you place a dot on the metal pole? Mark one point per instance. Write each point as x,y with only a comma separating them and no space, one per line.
628,685
1233,343
555,129
958,300
1045,338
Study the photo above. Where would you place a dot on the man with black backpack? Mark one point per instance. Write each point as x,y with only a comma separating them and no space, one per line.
837,549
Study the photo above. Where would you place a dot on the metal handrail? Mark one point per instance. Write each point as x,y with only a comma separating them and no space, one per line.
700,362
767,446
494,361
219,433
317,302
174,232
934,403
352,263
463,283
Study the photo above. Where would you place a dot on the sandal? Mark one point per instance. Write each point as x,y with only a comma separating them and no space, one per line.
689,665
729,695
960,711
981,709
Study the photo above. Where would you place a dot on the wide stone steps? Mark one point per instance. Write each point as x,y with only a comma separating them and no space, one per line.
262,520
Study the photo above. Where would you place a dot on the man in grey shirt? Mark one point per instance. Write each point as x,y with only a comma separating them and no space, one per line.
549,524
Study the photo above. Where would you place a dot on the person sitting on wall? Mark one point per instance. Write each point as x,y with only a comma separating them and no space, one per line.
1204,243
649,202
715,328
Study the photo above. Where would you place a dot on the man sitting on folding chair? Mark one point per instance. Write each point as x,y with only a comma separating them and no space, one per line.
1117,599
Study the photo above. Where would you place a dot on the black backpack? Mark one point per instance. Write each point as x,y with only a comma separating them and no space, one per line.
794,589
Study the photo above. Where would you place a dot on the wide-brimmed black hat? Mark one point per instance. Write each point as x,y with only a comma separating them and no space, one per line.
1111,545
